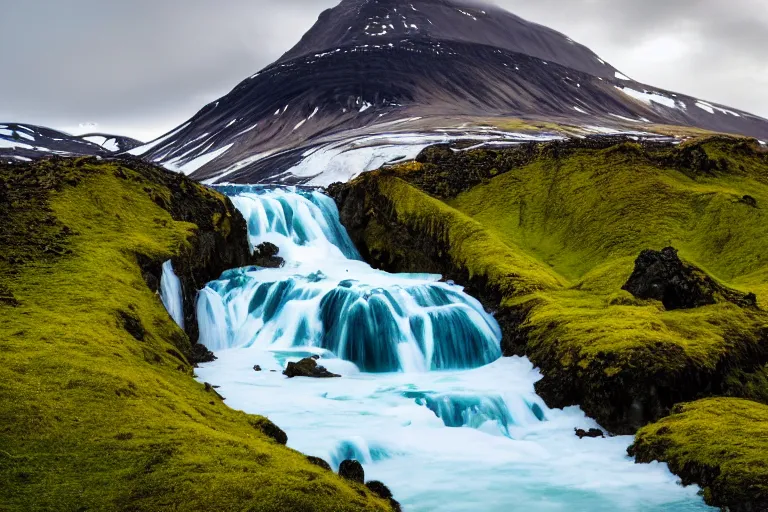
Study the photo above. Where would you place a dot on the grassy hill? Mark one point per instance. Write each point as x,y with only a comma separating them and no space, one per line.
98,406
547,235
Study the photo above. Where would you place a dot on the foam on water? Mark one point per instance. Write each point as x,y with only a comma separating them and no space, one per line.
425,402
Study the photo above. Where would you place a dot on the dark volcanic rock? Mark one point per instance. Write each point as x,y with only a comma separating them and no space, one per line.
200,354
317,461
662,276
383,492
593,433
308,368
265,255
269,429
352,470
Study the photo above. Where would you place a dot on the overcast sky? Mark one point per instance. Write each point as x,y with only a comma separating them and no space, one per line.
141,67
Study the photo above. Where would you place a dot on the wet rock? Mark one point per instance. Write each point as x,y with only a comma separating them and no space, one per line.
317,461
382,491
662,276
308,368
592,433
266,255
257,368
352,470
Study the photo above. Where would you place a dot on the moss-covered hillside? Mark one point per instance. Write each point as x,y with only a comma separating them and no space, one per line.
717,443
548,234
98,406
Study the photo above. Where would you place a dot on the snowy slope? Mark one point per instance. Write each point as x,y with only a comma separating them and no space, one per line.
23,142
369,65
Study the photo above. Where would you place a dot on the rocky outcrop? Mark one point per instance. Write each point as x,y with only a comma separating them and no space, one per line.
265,255
352,470
662,276
383,492
308,368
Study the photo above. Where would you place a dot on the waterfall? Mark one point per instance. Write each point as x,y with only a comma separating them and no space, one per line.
327,299
170,293
425,401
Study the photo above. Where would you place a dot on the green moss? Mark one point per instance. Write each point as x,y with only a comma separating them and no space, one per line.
470,245
720,443
91,417
558,233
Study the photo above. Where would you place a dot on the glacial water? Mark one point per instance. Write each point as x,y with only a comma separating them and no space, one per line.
425,402
170,293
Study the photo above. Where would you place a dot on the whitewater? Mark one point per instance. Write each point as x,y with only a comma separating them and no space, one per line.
425,401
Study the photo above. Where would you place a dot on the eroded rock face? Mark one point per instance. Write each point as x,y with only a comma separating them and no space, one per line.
662,275
308,368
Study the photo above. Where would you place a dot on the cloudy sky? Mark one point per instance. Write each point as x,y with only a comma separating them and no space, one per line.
141,67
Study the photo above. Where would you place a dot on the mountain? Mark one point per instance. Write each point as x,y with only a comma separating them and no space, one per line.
376,81
24,142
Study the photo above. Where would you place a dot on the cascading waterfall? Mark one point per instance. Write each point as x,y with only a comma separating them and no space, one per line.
425,401
329,300
170,293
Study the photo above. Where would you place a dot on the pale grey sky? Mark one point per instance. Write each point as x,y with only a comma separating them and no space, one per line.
141,67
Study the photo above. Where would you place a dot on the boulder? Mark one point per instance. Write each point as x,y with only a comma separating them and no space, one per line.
593,433
308,368
663,276
266,255
352,470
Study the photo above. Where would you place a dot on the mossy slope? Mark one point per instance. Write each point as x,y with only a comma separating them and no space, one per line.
98,407
550,233
719,443
547,235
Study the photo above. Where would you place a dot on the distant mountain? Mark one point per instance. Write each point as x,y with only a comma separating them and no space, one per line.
374,81
23,142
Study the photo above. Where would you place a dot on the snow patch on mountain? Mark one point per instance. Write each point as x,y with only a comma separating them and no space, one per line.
649,97
146,147
193,165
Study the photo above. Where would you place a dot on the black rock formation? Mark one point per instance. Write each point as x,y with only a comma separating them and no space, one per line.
308,368
352,470
265,255
381,490
593,433
662,276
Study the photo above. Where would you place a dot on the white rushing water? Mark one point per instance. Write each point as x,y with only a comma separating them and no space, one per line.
170,293
425,402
